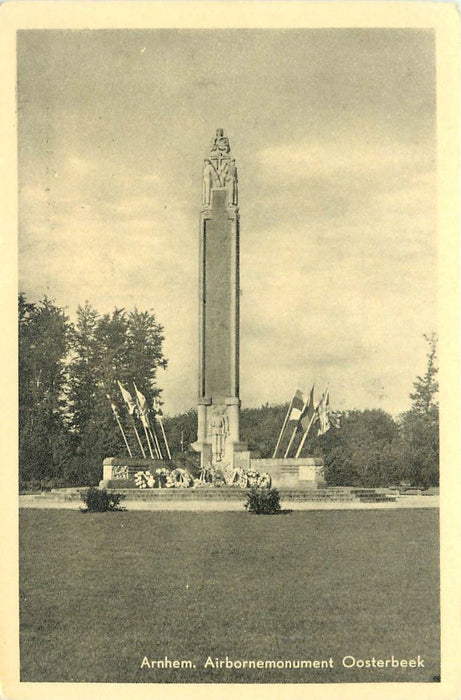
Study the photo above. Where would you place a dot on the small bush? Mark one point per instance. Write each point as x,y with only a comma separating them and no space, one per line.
99,501
263,500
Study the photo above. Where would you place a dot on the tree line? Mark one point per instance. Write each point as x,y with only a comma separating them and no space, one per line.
370,448
68,373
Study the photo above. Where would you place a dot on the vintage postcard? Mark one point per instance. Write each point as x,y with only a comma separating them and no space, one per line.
230,397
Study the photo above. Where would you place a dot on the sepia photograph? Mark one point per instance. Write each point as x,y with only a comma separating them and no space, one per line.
233,342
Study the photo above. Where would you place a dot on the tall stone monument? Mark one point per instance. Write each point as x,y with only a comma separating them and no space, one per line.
218,433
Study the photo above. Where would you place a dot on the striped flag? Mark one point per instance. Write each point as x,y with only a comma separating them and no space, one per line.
297,404
293,415
308,416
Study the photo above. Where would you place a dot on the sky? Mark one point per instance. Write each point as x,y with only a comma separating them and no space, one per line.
333,132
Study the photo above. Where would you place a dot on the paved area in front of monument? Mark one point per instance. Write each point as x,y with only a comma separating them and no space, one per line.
47,501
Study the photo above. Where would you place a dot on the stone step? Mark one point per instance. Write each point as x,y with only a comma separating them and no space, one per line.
223,494
377,498
226,493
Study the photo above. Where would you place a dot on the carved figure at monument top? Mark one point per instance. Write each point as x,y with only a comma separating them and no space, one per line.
219,171
220,143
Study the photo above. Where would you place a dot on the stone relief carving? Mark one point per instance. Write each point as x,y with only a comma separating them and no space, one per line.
219,171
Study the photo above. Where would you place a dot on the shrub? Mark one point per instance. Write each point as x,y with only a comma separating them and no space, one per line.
263,500
99,501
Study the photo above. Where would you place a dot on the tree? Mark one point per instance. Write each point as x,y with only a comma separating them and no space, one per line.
426,387
260,427
420,425
44,444
364,451
181,431
420,433
120,346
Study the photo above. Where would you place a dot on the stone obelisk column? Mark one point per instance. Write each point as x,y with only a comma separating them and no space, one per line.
218,434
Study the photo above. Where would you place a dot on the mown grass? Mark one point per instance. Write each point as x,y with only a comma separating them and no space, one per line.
98,592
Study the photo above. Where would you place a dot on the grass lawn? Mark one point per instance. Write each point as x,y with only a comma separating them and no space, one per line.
99,592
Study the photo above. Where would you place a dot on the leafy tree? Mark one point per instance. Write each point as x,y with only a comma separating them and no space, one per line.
364,451
420,425
144,351
120,346
260,427
85,360
420,434
44,444
426,387
181,431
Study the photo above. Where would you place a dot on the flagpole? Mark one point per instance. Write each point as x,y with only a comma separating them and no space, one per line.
142,418
137,435
301,445
148,441
284,425
164,437
156,442
131,408
296,428
114,411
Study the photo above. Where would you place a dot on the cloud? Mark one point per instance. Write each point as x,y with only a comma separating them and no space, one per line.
337,182
349,155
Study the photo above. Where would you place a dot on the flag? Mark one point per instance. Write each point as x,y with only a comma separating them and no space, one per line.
157,406
293,414
128,399
333,416
297,404
335,419
142,407
327,418
324,423
141,399
113,406
308,413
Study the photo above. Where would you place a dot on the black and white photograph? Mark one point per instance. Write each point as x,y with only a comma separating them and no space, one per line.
237,354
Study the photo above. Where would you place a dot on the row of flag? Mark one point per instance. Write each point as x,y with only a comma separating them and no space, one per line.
138,407
303,413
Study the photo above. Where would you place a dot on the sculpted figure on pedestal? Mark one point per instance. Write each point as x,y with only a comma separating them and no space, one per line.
219,429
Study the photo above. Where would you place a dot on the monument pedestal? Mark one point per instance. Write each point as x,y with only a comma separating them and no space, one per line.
118,472
218,436
302,473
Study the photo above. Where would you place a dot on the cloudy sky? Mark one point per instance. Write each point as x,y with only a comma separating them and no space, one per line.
333,132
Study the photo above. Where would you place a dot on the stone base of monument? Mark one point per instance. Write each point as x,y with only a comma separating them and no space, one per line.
236,454
302,473
118,472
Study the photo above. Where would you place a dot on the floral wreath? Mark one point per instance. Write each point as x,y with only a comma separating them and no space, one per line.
144,479
179,478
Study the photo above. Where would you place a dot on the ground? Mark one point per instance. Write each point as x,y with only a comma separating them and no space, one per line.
99,592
